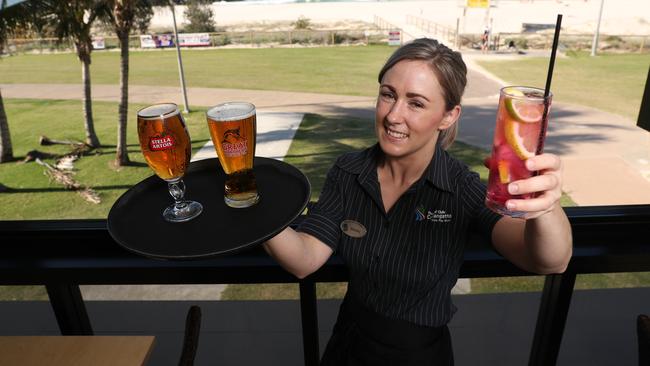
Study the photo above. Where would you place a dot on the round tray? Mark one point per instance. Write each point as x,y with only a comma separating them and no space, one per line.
136,223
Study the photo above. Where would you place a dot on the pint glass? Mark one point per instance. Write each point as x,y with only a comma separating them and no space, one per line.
233,131
165,144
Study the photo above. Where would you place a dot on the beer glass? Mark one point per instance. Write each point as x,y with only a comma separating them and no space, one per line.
166,147
233,131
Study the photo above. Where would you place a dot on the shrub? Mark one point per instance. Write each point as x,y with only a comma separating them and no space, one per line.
521,43
199,16
302,23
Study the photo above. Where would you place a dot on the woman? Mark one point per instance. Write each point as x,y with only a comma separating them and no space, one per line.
399,212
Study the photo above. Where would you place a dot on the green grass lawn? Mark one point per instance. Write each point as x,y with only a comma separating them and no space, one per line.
611,82
339,70
33,196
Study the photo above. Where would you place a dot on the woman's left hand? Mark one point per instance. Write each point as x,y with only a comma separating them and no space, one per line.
547,184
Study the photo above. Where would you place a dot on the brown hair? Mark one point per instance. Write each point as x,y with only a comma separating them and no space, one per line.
447,65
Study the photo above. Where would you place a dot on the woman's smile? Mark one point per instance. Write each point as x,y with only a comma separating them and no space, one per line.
395,135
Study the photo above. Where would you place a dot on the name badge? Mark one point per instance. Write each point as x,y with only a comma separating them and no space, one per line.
353,229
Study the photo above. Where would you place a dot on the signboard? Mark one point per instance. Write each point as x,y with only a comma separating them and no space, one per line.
165,40
147,41
478,3
98,43
394,38
194,39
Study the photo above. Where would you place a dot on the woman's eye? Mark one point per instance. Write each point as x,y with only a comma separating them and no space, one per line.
387,95
417,104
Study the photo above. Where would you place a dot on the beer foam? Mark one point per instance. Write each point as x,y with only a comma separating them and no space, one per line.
231,111
157,110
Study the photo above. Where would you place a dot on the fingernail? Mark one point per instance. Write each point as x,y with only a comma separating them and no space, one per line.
530,165
510,205
513,188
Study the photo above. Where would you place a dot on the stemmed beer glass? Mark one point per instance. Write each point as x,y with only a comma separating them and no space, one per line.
166,147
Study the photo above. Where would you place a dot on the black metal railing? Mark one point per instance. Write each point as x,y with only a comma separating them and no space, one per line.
64,254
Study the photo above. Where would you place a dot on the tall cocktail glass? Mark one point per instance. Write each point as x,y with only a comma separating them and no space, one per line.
518,136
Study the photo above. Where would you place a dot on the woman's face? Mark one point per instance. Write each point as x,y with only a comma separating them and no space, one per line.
411,110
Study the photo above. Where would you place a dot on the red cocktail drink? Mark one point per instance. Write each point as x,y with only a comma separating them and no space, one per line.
517,137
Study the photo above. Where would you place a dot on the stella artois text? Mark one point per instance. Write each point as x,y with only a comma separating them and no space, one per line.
165,143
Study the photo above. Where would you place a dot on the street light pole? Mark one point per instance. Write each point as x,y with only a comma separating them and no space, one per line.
180,61
594,43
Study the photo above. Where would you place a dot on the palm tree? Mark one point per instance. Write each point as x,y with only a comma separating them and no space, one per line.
73,20
10,19
123,15
6,150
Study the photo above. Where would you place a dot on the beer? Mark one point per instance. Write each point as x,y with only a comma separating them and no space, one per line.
166,146
233,131
164,140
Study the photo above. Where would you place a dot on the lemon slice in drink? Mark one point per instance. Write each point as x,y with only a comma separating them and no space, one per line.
516,133
520,110
522,131
504,171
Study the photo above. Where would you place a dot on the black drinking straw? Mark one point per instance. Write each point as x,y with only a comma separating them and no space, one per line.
547,88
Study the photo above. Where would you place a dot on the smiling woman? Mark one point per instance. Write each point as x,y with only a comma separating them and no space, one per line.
412,205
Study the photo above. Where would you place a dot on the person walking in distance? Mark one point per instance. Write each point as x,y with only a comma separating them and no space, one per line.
485,38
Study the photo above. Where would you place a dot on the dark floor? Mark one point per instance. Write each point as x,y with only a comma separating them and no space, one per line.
487,329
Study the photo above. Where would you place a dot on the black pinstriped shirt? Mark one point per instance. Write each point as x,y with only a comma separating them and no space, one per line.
406,264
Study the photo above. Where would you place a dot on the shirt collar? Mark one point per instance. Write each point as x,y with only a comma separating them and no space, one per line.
364,163
439,171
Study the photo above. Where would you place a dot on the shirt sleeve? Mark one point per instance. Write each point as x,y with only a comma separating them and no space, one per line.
323,218
483,219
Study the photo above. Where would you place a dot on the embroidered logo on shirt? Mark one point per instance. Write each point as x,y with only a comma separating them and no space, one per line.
422,214
353,229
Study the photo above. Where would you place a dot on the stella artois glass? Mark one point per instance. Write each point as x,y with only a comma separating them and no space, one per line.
233,131
166,147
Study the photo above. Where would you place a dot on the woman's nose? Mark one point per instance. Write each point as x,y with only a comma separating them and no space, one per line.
395,113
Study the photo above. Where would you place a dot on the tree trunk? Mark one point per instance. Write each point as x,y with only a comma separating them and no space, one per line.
91,136
6,151
122,156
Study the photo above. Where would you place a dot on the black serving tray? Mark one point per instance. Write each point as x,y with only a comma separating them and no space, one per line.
135,221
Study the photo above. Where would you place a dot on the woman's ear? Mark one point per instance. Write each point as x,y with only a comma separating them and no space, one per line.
450,117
